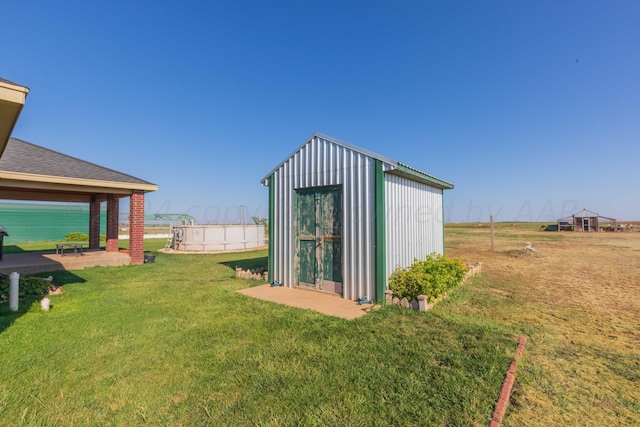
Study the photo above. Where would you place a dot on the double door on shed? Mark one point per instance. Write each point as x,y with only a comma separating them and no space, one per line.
318,219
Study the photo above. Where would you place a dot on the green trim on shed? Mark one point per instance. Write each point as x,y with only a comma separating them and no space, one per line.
380,232
271,227
415,175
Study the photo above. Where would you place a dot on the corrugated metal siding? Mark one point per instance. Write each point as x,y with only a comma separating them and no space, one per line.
321,163
414,226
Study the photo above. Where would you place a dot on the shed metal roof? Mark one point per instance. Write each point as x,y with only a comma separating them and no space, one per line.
395,168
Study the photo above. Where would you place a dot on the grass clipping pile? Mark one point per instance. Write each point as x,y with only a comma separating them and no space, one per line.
527,251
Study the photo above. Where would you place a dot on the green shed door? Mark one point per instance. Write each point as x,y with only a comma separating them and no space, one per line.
319,235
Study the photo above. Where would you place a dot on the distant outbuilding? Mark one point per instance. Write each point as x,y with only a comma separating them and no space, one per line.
341,218
585,221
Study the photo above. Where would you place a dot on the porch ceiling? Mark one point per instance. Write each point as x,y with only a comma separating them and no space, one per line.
61,194
23,186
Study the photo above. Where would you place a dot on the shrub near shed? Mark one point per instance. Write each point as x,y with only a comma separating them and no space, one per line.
432,277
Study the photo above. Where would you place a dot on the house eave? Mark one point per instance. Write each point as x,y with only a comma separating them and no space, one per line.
12,99
35,181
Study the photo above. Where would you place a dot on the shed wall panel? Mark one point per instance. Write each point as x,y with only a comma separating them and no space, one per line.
414,226
322,163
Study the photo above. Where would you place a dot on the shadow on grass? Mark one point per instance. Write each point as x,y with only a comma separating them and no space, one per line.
60,278
248,264
15,249
7,317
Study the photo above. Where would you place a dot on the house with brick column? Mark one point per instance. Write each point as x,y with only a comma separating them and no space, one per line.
32,172
35,173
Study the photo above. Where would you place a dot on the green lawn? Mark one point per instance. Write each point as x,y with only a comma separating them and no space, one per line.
577,301
172,343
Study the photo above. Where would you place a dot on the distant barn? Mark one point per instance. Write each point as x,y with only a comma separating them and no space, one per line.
585,221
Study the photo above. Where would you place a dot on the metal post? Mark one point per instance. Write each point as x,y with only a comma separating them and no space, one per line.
14,279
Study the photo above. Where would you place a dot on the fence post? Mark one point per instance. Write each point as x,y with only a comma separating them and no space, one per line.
492,239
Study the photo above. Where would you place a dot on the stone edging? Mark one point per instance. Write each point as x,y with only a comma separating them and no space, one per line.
257,274
422,303
505,392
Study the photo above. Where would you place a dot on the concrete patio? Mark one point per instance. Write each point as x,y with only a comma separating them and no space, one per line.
38,262
329,304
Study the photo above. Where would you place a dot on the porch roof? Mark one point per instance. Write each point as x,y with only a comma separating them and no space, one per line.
32,172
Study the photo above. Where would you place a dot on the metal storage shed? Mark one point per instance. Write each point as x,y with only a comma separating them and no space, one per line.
341,219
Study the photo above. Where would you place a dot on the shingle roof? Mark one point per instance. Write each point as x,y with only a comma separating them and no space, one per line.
8,81
25,157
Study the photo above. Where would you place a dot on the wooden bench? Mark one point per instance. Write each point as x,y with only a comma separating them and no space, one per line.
77,248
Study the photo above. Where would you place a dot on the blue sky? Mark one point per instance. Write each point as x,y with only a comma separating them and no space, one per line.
531,108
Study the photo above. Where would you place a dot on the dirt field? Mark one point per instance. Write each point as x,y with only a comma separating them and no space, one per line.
577,299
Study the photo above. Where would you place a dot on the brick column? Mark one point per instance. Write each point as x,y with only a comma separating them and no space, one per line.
113,212
94,223
136,227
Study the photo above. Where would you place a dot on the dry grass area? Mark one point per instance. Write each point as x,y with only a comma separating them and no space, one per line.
577,298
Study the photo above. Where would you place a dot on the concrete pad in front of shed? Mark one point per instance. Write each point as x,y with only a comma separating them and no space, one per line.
331,305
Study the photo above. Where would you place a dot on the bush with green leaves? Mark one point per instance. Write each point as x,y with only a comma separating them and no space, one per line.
78,236
27,286
432,277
